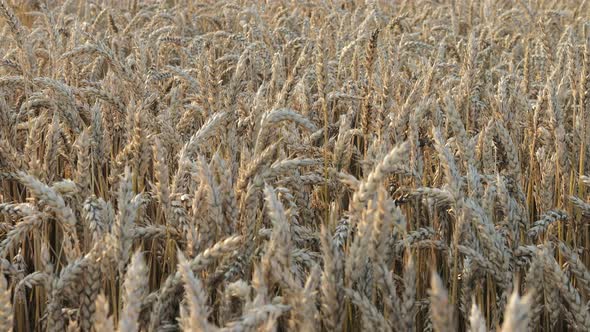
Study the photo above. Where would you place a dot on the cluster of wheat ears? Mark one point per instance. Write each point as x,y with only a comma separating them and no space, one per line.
335,165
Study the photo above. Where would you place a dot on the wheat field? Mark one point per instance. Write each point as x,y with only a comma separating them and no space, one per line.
294,165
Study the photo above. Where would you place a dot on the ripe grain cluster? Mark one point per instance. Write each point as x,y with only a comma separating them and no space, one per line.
293,165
